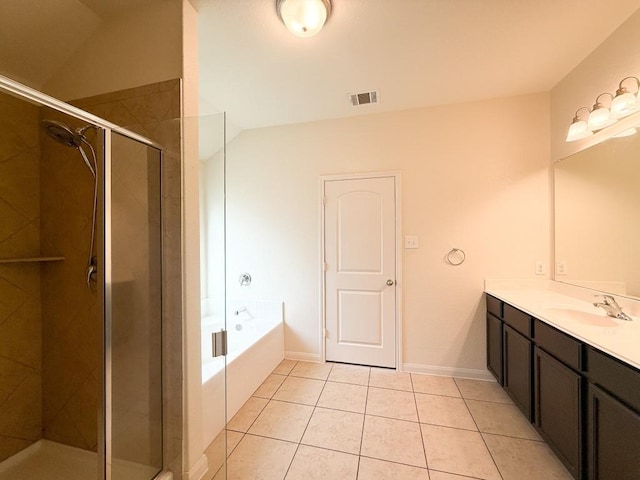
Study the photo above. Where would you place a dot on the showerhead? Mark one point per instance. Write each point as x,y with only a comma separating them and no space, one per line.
61,133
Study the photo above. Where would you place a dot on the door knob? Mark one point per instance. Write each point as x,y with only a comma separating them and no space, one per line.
390,282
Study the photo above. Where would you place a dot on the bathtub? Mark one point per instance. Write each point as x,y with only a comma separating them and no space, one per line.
255,347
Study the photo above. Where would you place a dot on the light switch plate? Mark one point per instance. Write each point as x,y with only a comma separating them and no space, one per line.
411,241
540,267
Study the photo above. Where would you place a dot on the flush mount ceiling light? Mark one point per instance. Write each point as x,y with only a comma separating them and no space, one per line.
625,102
304,18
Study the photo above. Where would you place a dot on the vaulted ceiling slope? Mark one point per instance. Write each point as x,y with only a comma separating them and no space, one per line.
38,37
417,53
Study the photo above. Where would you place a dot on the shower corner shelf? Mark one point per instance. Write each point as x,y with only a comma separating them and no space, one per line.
30,259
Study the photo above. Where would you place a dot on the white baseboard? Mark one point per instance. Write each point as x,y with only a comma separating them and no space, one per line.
199,470
307,357
448,371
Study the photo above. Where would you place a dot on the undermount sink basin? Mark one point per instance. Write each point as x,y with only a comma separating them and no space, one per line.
581,316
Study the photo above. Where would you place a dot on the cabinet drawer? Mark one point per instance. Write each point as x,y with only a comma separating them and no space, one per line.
565,348
621,380
519,321
494,306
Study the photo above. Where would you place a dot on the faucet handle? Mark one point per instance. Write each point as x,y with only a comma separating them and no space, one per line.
607,299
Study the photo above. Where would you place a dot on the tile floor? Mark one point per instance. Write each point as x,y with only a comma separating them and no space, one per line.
331,421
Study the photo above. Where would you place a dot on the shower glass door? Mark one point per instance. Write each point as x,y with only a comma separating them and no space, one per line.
133,310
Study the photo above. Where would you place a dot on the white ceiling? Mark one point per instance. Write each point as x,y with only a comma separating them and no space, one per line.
417,53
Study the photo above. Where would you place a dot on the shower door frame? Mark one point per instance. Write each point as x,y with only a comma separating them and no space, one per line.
105,290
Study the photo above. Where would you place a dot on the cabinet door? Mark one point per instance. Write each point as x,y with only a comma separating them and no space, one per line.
558,409
517,369
613,438
494,346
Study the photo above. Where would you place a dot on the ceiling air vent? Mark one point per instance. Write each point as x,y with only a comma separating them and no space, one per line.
363,98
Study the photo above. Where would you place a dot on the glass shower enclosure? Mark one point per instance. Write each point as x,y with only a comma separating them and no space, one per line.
81,392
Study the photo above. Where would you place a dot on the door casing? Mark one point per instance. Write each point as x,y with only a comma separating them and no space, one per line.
398,274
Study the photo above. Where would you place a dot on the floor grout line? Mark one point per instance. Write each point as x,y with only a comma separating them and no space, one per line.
483,440
415,402
316,407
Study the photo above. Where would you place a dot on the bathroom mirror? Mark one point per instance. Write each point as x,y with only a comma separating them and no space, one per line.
597,217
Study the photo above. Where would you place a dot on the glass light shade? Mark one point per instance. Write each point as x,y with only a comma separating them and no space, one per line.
304,18
624,103
578,130
599,118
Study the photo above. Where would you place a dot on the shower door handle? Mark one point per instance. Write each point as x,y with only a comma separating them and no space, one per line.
219,343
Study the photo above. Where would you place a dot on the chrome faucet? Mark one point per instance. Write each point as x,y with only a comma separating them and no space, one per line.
612,308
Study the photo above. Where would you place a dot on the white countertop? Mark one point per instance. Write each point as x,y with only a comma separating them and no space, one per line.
576,317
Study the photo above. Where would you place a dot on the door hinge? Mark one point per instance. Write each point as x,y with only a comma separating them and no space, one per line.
324,200
325,266
326,333
219,343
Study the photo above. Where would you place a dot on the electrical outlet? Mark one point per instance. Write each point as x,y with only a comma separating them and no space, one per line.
411,241
540,267
561,267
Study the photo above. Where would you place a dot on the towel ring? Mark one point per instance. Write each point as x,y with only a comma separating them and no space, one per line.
456,256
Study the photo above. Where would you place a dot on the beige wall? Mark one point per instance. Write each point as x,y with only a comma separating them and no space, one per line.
20,328
139,47
616,58
474,176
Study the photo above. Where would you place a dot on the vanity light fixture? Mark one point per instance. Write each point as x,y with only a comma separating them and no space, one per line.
621,105
578,128
625,102
600,116
304,18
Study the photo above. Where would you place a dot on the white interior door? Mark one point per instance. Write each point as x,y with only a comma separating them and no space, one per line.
360,269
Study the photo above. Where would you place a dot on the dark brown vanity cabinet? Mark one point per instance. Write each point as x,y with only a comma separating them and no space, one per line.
494,337
518,354
613,419
583,402
517,369
558,394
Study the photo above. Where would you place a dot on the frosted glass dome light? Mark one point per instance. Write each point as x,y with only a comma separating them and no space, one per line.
625,102
600,116
304,18
578,128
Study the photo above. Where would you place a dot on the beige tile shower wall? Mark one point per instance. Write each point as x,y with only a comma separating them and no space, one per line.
154,111
72,334
20,330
